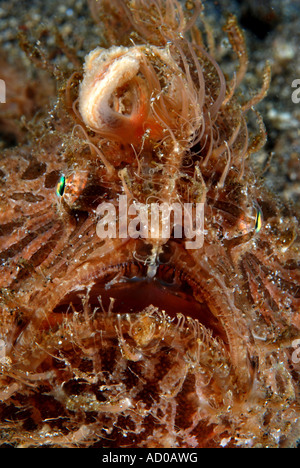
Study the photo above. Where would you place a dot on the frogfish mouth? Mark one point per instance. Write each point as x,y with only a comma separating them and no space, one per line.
114,330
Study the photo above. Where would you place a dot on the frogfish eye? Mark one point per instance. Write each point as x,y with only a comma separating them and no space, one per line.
258,221
60,189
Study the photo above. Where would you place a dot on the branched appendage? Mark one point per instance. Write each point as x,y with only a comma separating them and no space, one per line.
37,54
71,89
262,93
260,139
237,41
69,52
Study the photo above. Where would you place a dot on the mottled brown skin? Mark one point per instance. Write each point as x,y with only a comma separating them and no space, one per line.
98,352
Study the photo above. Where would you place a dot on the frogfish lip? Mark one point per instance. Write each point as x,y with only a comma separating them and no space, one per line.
131,291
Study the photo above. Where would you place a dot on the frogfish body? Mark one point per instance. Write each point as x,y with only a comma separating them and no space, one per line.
129,335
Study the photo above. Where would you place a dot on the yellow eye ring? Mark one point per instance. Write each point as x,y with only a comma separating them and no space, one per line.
258,221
